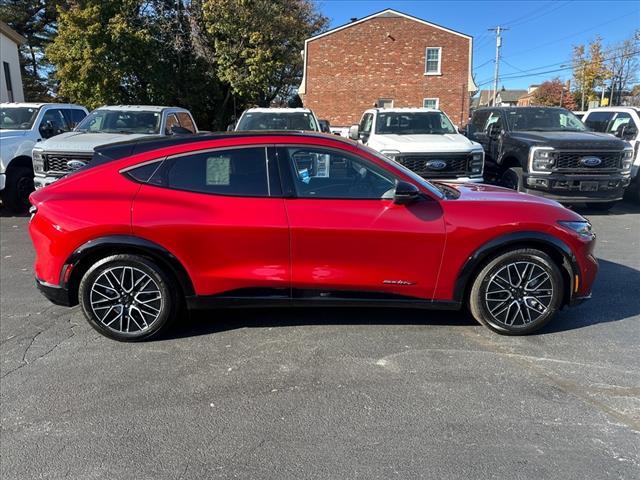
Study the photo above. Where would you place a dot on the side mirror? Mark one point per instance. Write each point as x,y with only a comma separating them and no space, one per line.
354,132
494,130
47,130
405,193
231,127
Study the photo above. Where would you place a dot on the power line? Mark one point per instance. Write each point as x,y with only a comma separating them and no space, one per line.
527,19
535,74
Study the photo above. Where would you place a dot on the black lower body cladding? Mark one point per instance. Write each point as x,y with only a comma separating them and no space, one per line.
568,187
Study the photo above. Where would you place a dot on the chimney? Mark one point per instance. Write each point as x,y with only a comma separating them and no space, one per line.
354,19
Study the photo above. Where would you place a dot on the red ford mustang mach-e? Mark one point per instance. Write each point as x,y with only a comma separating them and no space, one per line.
151,226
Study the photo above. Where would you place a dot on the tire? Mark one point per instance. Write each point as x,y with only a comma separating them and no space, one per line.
601,206
111,305
512,179
19,186
497,287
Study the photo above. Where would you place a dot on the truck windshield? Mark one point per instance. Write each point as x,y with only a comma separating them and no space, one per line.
277,121
413,123
17,118
121,121
544,120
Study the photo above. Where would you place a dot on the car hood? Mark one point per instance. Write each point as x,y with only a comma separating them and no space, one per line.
571,140
10,134
85,142
479,192
453,142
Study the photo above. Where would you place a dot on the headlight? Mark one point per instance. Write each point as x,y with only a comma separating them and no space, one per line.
476,166
627,158
541,159
390,153
581,227
38,160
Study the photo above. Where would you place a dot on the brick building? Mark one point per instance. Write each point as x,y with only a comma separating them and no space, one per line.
389,59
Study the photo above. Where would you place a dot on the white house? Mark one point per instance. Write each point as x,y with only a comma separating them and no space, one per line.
10,77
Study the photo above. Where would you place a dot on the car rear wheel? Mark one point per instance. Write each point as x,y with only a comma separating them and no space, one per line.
512,179
128,298
517,292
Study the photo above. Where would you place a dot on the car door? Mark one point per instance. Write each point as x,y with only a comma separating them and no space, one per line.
220,212
347,234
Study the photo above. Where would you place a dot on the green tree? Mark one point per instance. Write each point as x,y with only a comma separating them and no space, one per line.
36,21
589,69
257,44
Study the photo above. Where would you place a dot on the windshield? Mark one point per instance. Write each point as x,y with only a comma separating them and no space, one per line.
544,120
17,118
413,175
277,121
413,123
121,121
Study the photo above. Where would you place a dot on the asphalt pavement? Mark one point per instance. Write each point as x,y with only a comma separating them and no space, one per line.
325,393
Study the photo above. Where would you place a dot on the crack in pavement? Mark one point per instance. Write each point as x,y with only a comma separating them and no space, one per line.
565,385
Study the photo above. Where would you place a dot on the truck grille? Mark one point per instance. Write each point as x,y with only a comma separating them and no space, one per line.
574,161
456,165
57,162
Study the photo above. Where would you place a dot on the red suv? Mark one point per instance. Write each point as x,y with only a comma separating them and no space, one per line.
151,226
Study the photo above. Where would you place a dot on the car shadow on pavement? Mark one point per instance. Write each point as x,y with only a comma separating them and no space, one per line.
614,286
610,303
217,320
621,208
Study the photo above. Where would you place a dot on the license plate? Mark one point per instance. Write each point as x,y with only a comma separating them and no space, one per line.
589,186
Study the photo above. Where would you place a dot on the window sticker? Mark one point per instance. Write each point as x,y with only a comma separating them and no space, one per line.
322,166
218,170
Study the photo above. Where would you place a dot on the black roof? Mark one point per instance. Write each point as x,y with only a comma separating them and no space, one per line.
516,108
126,148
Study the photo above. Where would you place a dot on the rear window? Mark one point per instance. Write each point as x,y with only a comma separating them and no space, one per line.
277,121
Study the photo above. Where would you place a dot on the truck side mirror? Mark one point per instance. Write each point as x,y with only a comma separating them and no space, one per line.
354,132
494,130
47,130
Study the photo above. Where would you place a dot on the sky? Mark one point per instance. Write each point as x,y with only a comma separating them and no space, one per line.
541,33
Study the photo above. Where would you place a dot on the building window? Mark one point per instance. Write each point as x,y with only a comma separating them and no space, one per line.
7,78
433,58
384,103
431,102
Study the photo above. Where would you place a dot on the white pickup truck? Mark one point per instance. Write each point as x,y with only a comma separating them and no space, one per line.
624,123
58,156
423,140
23,125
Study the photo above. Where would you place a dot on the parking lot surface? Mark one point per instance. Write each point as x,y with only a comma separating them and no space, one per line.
325,393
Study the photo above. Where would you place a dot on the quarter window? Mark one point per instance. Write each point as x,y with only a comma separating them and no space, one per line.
433,58
240,172
324,173
365,123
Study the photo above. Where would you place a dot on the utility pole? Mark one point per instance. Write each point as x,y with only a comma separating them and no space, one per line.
498,31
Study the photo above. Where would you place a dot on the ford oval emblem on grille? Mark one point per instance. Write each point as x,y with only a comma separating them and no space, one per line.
590,161
76,164
436,164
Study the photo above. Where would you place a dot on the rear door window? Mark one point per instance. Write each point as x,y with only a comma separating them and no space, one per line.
239,172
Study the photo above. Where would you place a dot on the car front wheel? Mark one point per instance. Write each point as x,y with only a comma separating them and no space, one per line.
517,292
128,298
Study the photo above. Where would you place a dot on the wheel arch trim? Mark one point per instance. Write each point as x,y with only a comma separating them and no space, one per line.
132,244
524,238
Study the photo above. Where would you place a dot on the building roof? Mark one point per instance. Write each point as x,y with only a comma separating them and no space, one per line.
11,33
511,95
387,13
